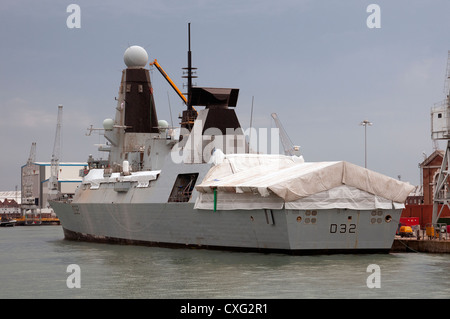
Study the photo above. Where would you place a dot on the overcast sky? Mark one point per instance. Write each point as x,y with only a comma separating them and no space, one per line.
316,64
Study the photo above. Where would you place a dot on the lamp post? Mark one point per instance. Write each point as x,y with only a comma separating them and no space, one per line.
365,123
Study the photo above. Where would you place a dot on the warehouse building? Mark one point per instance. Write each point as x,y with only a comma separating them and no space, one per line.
69,178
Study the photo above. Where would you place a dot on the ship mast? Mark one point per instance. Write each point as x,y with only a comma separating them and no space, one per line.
190,114
189,70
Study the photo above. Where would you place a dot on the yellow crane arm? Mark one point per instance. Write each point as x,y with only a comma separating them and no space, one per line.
164,74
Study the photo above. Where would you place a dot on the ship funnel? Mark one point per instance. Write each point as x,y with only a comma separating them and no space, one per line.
137,94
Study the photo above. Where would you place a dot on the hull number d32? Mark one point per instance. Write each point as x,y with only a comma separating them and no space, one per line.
343,228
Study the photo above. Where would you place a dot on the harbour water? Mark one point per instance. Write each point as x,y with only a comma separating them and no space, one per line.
34,263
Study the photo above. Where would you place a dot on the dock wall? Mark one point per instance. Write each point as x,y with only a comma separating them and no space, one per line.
423,246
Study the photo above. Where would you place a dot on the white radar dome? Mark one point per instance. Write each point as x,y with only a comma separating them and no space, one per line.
135,57
163,124
108,124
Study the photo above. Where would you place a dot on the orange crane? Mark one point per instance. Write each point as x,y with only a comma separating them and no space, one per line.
164,74
190,121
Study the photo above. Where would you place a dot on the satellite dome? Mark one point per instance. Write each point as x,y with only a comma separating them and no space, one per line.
135,57
163,124
108,124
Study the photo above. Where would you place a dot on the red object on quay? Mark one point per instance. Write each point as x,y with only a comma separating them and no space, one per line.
409,221
423,213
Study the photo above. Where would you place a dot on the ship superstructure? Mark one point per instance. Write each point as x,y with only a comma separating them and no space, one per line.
199,185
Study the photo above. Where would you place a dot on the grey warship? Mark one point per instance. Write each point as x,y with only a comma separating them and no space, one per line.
201,186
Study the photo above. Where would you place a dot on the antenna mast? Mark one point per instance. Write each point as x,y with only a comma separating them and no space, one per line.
189,71
190,114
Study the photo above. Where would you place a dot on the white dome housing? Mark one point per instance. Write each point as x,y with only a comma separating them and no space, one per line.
108,124
163,124
135,57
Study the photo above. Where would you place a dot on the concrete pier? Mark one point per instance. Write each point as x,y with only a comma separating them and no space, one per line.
402,245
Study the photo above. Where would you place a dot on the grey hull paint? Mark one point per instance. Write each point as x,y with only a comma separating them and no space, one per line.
180,225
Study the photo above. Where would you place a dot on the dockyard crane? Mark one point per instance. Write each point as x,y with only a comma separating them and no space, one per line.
289,147
53,189
441,188
28,199
28,205
447,77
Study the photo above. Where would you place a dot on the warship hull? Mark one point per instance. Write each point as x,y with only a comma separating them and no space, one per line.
180,225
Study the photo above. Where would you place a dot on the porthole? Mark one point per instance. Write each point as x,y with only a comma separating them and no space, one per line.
388,218
299,219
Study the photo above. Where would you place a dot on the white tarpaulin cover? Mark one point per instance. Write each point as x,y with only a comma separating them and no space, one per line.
251,181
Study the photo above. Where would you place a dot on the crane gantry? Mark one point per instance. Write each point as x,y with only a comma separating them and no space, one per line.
53,189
